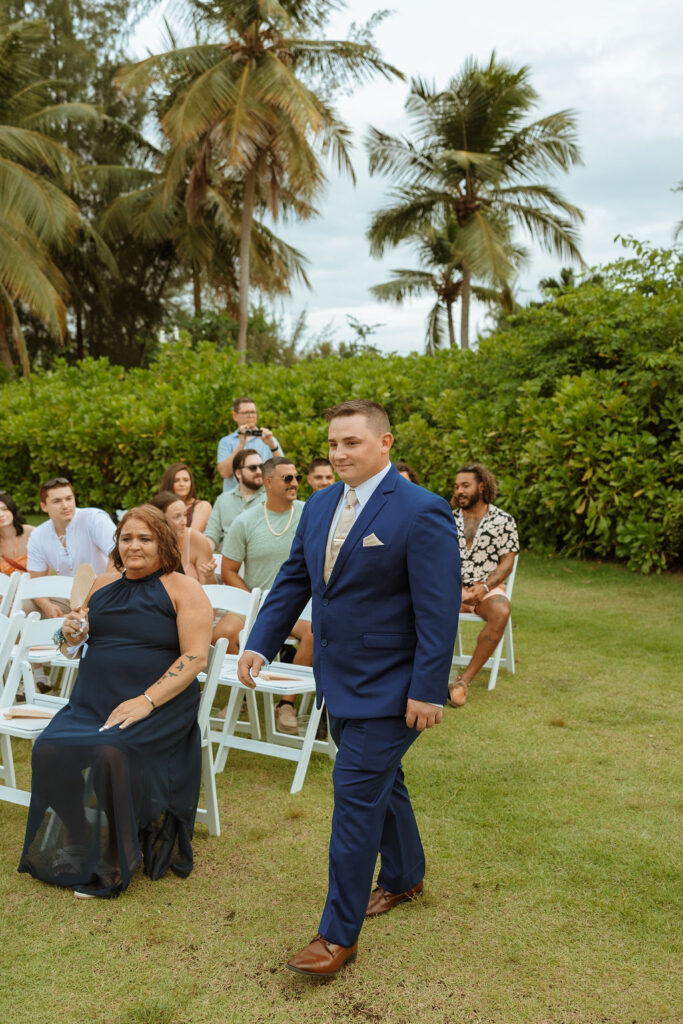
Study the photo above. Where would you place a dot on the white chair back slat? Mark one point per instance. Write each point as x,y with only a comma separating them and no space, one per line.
42,586
8,586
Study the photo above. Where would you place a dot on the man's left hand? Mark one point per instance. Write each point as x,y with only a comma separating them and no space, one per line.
422,715
267,437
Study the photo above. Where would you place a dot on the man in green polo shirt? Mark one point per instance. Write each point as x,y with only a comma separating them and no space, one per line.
248,470
259,541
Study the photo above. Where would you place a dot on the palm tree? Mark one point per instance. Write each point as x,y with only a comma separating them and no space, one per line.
36,216
475,157
442,249
248,106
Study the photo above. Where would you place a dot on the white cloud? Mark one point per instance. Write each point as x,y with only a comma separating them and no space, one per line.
619,66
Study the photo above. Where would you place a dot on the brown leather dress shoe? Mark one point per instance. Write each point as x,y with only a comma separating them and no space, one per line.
381,900
322,959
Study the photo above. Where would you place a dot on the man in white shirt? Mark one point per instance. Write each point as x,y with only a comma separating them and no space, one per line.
70,537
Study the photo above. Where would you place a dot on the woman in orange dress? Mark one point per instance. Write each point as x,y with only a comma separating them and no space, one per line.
14,534
179,480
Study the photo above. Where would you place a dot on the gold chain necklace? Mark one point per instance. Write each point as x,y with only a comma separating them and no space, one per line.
265,512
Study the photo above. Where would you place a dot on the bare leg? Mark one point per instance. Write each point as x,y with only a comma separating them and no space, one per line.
496,612
303,632
229,627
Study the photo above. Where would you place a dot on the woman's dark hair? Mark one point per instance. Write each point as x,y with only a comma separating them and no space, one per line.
484,476
155,520
17,520
403,467
169,476
163,499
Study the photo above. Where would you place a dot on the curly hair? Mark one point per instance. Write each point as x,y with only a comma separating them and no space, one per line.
18,521
155,520
169,476
485,477
403,467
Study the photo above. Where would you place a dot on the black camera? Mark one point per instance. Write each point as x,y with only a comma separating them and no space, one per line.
253,431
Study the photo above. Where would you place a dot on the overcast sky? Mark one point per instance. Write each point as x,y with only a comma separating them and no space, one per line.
617,64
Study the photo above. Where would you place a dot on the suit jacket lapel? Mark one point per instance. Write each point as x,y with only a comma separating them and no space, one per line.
377,500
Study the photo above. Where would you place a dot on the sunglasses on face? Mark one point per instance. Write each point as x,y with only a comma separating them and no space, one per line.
256,467
288,477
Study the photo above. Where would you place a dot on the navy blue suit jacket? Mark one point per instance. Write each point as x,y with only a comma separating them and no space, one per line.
385,625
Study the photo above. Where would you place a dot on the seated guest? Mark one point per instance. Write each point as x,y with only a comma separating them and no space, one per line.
14,535
70,537
320,474
179,480
247,435
195,550
407,472
248,470
488,545
120,765
260,540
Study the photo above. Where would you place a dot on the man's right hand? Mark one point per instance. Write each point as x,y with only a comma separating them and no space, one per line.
48,609
249,660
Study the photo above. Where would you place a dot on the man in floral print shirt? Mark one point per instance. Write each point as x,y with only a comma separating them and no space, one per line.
488,545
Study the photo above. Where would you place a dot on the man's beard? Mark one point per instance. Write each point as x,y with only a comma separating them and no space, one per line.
470,503
251,485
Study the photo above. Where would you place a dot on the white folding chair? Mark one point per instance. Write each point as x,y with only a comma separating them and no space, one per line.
504,654
42,586
50,587
209,814
35,632
8,586
246,603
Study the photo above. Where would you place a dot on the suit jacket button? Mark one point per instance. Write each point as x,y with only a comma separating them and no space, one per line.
323,643
325,601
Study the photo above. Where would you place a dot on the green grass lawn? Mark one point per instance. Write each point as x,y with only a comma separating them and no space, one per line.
549,810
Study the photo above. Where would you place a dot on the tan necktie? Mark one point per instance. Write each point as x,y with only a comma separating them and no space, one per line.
346,521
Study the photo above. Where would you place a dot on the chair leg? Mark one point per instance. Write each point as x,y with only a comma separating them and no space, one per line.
496,663
231,715
306,748
7,767
509,647
210,796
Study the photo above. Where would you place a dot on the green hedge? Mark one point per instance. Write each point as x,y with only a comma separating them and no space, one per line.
576,406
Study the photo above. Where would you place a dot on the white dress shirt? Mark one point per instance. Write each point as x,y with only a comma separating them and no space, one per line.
89,538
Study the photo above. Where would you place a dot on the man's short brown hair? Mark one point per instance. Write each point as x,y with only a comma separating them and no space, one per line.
242,401
241,456
49,485
270,465
374,413
155,520
485,477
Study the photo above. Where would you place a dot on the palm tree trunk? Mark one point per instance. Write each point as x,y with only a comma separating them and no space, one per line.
245,246
5,354
196,290
465,293
451,329
80,349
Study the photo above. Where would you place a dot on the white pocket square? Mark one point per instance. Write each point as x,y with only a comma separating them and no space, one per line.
371,541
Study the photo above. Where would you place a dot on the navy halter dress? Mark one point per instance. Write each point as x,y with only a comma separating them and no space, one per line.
98,797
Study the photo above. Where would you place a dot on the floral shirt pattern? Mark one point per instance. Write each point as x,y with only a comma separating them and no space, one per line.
496,536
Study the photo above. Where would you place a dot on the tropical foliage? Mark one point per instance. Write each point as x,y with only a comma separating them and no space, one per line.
576,406
477,160
249,111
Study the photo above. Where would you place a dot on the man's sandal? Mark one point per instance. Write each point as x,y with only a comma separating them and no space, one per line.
458,684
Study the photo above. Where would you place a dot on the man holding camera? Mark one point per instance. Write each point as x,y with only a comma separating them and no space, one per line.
247,435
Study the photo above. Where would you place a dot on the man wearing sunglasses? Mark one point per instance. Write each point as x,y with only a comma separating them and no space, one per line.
248,471
259,540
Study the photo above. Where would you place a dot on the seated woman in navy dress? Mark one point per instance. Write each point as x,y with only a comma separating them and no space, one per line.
119,767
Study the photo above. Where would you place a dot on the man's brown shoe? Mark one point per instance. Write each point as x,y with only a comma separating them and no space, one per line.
322,959
381,900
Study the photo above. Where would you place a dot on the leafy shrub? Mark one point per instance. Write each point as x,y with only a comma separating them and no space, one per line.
575,405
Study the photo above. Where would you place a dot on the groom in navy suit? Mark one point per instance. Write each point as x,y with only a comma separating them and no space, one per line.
380,557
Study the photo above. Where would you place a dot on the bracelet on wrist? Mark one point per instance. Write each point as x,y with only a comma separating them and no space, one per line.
273,449
149,699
